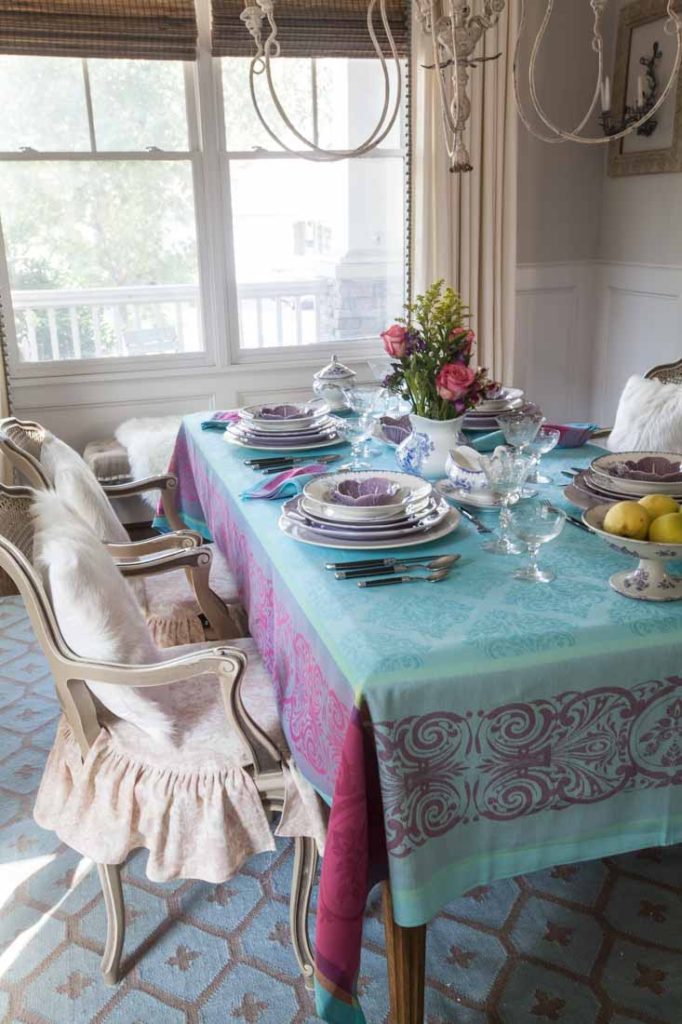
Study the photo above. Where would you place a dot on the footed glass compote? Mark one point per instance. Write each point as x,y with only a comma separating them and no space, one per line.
545,441
536,524
506,471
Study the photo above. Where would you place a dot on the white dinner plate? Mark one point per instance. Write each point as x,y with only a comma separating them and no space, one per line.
318,491
476,499
380,531
306,536
253,446
411,512
317,408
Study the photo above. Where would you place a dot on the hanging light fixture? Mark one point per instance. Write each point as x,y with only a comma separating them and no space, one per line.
455,29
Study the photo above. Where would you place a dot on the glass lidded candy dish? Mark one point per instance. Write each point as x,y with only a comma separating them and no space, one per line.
649,580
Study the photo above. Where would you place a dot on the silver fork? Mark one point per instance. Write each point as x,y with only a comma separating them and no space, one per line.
434,577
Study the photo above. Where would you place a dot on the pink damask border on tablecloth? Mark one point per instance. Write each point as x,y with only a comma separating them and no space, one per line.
315,714
442,770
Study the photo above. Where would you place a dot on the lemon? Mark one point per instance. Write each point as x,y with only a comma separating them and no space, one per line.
667,529
659,505
627,519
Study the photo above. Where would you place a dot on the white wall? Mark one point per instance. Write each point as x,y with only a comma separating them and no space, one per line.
600,259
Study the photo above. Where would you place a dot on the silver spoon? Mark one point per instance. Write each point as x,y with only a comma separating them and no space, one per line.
434,577
440,562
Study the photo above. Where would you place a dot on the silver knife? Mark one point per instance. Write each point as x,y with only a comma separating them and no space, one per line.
474,520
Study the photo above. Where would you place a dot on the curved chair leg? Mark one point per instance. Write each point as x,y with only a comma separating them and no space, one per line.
110,877
215,610
303,876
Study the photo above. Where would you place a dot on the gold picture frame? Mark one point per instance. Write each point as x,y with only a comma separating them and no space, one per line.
649,159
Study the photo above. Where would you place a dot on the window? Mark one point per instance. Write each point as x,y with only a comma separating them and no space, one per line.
99,223
108,202
318,247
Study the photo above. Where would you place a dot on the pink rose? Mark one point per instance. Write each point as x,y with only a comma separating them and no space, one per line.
395,341
454,380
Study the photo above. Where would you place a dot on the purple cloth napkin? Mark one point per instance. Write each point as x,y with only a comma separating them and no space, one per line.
573,435
395,430
283,412
286,484
221,420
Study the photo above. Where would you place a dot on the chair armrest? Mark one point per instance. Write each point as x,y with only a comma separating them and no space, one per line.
166,561
228,663
166,483
178,540
151,483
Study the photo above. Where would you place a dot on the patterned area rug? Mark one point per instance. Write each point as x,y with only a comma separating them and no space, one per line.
597,943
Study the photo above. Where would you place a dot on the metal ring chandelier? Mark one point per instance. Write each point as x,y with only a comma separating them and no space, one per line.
455,29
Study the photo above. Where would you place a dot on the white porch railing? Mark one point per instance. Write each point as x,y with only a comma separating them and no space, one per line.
57,324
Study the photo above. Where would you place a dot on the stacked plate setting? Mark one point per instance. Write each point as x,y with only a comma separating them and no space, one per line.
284,428
484,416
367,510
627,476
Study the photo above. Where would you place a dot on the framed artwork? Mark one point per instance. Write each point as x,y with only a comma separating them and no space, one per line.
645,57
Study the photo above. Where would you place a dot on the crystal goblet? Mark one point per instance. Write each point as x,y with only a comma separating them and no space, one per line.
366,400
357,430
545,441
506,471
536,524
520,426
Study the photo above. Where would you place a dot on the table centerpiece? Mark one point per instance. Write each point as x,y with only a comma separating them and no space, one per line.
431,348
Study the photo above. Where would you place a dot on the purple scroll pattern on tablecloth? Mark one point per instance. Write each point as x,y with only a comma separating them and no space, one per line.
441,769
315,719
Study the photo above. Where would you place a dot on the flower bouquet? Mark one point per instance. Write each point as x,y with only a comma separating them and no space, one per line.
432,348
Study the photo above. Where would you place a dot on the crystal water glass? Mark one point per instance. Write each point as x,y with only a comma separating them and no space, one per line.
357,430
366,400
520,426
546,440
506,471
534,525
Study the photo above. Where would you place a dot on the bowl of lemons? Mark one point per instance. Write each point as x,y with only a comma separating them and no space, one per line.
649,530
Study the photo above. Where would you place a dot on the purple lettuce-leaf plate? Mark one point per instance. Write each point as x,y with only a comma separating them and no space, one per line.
283,412
395,430
655,468
368,493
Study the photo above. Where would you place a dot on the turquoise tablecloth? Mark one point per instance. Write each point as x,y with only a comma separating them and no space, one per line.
463,732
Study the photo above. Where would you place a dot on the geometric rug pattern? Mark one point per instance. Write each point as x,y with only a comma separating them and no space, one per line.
592,943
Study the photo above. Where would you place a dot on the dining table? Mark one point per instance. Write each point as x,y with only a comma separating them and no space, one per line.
460,733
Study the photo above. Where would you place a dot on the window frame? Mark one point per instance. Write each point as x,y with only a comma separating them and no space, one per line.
218,304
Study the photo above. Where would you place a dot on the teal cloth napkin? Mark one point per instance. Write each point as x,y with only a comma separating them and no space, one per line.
487,442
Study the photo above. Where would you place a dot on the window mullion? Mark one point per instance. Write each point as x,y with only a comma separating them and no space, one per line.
313,89
88,105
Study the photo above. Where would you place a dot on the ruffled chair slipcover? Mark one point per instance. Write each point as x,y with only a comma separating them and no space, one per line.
190,801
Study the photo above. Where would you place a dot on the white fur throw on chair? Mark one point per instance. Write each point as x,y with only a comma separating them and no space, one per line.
149,442
649,417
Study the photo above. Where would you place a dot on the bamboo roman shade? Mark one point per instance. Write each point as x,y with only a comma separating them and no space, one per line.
146,29
311,28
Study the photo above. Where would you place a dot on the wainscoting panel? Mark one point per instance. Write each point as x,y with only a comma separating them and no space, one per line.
638,324
553,312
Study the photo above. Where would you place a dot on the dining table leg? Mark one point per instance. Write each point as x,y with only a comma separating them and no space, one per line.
406,958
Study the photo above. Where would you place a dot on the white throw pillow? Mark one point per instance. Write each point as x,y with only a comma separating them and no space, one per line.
74,481
96,611
649,417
